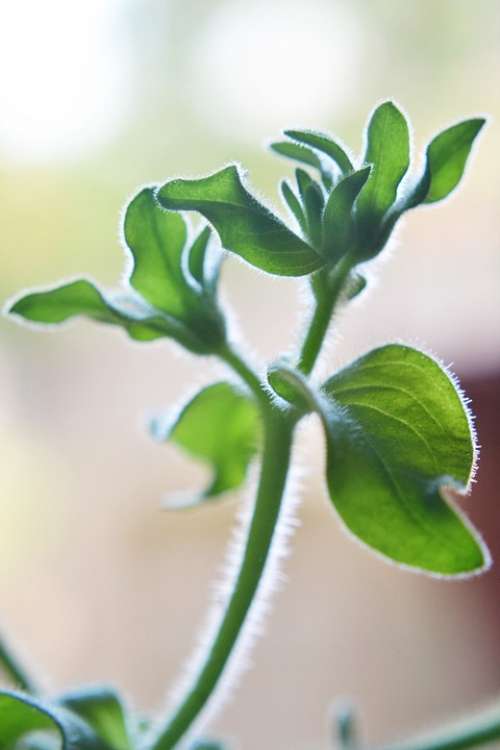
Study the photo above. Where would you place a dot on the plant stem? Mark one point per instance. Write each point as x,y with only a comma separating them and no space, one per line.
320,321
14,671
278,431
235,361
477,731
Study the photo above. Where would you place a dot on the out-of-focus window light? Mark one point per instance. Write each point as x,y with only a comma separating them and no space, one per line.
62,76
270,65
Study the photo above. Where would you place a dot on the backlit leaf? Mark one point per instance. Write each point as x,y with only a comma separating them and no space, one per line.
221,426
81,297
388,151
325,144
102,709
244,225
22,716
445,162
156,239
398,438
338,224
294,205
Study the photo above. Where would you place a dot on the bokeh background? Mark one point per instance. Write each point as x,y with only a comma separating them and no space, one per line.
96,582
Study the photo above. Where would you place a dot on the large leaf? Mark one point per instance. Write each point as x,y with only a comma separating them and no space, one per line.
81,297
220,426
445,162
388,151
325,145
103,710
156,239
398,438
244,225
22,717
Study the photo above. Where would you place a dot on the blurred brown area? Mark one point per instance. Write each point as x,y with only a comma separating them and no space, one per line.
97,583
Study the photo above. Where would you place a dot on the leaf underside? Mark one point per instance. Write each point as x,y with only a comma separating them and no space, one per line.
220,426
24,718
398,435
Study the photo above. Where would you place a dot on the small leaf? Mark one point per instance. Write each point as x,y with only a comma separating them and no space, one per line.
81,297
337,217
156,239
20,716
445,162
325,144
297,153
293,204
197,256
221,426
355,285
244,225
388,151
313,202
102,709
304,155
398,437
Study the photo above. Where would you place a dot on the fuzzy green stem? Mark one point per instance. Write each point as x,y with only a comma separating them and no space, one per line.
323,312
477,731
235,361
278,431
14,670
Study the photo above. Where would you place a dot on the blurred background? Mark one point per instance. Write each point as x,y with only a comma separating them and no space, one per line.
96,582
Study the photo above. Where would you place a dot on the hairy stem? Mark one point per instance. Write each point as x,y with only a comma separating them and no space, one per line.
476,731
278,429
323,312
14,670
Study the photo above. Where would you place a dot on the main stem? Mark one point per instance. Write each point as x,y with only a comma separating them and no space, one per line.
278,429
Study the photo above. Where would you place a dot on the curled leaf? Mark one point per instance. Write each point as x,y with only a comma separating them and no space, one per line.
244,225
23,717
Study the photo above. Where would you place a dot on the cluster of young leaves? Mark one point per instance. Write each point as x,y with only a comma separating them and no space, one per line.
170,290
397,431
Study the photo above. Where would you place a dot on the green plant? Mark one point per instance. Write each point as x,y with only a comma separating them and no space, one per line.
397,429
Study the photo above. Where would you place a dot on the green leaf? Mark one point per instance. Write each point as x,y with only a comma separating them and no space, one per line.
197,256
304,155
445,162
103,710
356,284
22,716
81,297
313,202
294,205
220,426
325,144
244,225
338,225
297,153
156,239
398,438
388,151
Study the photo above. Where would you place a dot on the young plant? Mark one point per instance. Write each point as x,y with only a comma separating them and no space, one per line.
397,430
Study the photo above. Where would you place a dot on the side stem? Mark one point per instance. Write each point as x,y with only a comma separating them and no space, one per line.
325,307
278,430
477,731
